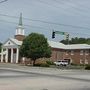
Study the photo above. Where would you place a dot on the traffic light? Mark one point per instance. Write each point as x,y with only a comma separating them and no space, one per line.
53,34
67,36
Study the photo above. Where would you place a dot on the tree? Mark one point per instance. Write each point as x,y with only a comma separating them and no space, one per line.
35,46
0,46
77,40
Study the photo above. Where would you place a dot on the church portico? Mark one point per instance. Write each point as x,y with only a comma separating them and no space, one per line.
10,51
10,55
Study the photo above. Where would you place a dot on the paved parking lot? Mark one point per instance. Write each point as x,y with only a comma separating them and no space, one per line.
15,77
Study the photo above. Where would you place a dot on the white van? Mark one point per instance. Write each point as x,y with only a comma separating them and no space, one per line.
61,62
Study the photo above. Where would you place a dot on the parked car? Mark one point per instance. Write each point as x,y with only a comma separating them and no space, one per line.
61,62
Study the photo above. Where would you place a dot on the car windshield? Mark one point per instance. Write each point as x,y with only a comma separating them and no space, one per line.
62,61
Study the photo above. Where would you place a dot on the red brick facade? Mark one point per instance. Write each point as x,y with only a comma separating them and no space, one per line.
19,37
76,56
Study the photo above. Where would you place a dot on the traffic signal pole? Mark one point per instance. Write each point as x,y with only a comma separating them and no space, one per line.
61,33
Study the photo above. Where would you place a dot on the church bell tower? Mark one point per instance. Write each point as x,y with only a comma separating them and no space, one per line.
20,30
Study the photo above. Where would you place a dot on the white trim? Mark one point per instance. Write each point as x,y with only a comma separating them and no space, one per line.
6,59
11,55
2,55
17,55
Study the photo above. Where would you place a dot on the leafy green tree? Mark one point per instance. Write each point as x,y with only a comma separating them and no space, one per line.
88,40
35,46
77,40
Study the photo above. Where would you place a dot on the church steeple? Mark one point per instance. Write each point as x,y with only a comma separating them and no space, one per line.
20,20
20,29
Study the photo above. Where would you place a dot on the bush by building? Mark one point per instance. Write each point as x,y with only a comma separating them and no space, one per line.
87,67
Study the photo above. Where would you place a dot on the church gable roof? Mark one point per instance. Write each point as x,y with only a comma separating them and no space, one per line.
16,41
12,42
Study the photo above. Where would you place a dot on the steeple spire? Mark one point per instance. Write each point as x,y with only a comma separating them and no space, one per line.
20,30
20,20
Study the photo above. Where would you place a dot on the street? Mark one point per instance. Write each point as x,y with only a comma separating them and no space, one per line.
34,78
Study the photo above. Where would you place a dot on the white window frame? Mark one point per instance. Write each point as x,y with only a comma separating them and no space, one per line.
86,61
72,52
66,52
86,52
81,52
81,61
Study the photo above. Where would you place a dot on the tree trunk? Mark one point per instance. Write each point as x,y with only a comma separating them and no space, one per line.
34,62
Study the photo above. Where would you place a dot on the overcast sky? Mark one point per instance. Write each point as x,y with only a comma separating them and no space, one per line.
57,13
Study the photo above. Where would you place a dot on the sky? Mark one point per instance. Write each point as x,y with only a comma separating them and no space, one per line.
44,16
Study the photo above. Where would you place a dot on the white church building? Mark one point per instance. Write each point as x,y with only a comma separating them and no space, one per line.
10,48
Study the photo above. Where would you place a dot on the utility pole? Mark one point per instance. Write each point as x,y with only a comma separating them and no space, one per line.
67,37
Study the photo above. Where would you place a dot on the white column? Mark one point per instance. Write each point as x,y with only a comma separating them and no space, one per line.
17,55
6,59
2,55
23,32
11,55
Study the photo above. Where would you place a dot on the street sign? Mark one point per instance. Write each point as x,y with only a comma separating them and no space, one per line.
59,32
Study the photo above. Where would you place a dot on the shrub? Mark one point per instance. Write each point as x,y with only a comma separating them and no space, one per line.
38,64
50,62
74,64
44,65
41,65
87,67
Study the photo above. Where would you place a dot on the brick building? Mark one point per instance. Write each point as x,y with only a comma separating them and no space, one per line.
75,53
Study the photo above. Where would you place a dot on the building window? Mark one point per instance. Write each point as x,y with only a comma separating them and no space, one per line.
67,52
72,52
8,42
81,52
81,61
86,61
86,52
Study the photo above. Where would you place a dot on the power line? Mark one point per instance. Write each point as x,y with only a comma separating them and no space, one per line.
3,1
70,4
80,4
77,11
24,24
47,22
58,7
40,27
32,19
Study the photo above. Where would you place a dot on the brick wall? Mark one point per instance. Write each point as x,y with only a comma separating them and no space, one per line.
19,37
75,56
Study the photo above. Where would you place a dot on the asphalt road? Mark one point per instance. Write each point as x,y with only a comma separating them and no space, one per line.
37,79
